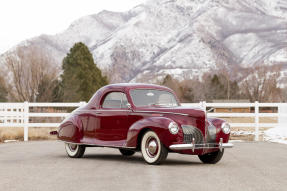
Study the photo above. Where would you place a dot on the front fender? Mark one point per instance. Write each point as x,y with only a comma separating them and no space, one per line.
219,134
71,130
157,124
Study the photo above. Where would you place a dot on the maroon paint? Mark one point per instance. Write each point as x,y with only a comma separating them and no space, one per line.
94,125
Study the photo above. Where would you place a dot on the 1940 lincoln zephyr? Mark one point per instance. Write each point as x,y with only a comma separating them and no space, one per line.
146,118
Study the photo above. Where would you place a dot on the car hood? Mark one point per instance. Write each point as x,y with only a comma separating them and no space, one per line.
194,112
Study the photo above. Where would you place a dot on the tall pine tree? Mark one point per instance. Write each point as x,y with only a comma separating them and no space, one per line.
81,77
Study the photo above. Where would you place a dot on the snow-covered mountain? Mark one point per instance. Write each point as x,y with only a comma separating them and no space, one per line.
179,37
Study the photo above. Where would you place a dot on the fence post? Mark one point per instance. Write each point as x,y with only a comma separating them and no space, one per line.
82,103
203,105
5,115
26,120
256,121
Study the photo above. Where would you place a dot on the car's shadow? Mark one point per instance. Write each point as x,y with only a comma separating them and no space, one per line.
135,159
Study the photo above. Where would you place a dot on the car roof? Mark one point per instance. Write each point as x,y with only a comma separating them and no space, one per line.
135,86
95,100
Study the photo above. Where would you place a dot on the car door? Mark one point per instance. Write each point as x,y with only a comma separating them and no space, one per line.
113,118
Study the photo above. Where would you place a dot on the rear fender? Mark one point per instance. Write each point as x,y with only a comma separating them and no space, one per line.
71,130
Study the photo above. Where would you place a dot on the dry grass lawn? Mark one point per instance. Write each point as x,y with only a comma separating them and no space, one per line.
17,133
246,136
250,119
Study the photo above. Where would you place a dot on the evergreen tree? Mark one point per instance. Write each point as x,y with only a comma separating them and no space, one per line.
173,84
46,90
58,94
215,88
81,77
235,91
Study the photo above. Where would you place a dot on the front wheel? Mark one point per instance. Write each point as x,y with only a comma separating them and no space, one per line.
74,150
211,158
153,151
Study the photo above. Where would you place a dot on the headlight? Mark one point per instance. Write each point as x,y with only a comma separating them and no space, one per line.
225,128
173,128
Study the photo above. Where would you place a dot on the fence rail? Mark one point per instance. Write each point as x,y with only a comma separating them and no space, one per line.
19,114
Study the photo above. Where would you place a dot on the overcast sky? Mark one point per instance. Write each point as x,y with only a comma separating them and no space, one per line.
22,19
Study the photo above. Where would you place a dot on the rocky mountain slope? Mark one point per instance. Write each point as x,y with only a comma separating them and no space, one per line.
180,37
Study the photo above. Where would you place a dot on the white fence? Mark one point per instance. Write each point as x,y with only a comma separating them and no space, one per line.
281,114
18,114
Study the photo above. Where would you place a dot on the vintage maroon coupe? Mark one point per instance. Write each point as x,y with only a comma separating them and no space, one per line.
146,118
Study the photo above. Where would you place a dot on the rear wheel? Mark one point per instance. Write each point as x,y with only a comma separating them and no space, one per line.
153,151
74,150
211,158
126,152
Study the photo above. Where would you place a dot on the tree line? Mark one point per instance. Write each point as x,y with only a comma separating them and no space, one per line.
261,83
32,75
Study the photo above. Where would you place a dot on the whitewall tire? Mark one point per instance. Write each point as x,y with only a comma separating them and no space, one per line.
74,150
153,151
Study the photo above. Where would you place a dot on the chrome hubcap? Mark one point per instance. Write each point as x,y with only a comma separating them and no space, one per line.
151,147
72,147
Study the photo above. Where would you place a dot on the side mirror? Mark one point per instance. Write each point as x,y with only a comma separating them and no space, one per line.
129,106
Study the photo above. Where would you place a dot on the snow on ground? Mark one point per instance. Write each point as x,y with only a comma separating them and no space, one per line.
276,134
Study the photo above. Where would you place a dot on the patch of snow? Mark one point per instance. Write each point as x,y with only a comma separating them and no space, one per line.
236,141
279,56
277,134
242,132
9,141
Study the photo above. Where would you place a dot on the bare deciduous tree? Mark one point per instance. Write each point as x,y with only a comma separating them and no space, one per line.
26,70
262,84
3,90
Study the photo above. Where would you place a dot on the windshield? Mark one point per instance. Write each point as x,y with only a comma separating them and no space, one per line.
150,97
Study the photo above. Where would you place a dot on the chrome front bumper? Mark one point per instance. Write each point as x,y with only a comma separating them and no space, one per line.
194,146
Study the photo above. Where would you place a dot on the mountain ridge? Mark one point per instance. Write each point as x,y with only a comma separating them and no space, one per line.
179,37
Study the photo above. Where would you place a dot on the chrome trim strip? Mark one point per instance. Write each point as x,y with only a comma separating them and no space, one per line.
161,112
100,110
200,146
98,145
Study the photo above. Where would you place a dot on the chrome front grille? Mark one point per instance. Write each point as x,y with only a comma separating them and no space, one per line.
190,132
211,133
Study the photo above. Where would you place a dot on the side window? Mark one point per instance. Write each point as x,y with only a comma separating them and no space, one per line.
124,101
115,100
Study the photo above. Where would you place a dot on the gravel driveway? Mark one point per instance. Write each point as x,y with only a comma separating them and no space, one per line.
43,165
